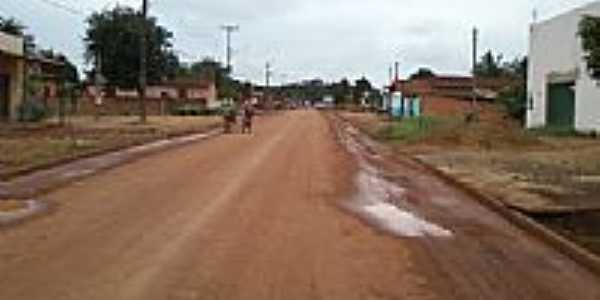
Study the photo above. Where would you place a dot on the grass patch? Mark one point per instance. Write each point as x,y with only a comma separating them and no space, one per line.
28,146
455,132
12,205
416,129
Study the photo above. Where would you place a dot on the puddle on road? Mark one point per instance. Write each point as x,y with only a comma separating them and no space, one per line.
376,195
373,202
403,223
32,207
77,173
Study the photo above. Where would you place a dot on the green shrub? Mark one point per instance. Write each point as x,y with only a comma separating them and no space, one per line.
191,110
415,128
32,111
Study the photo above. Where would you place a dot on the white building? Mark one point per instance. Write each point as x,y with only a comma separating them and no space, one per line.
561,92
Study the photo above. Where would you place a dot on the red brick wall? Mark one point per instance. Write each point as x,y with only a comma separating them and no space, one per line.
121,106
456,107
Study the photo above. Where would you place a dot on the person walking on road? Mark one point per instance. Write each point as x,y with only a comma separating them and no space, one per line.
229,119
247,116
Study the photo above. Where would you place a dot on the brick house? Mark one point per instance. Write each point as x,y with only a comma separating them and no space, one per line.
460,87
159,98
47,72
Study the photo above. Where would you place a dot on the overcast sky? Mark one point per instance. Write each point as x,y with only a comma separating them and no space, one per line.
303,39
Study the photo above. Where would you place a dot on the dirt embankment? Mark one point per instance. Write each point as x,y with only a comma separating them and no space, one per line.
554,179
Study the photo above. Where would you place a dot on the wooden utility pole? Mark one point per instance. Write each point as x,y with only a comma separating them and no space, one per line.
267,83
229,29
143,61
475,37
98,87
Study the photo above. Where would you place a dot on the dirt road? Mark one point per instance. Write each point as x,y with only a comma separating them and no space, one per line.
258,217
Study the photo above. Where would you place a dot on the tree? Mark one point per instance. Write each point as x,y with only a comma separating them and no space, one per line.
514,97
208,69
362,88
341,91
363,85
422,73
114,37
212,70
589,31
70,74
489,65
11,26
516,69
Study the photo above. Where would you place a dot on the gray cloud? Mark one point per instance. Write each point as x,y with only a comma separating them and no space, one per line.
308,38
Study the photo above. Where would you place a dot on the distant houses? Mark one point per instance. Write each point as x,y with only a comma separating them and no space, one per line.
12,65
36,77
460,87
46,71
560,90
448,95
33,75
160,99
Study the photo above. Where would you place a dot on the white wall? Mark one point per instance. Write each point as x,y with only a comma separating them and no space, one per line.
555,51
587,104
11,44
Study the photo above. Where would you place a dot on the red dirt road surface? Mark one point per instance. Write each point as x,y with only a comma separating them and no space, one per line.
287,213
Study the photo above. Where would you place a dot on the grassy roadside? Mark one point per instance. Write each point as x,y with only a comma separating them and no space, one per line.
25,147
551,175
12,205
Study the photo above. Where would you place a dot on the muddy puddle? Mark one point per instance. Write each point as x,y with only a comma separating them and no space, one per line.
381,202
30,208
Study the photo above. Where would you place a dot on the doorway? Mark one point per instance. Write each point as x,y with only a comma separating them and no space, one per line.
4,97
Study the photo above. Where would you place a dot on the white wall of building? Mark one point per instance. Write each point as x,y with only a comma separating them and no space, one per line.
11,44
556,55
12,65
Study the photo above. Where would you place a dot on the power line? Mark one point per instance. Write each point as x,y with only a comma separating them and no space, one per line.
64,7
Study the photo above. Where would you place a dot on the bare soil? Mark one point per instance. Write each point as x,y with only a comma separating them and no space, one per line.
237,217
262,217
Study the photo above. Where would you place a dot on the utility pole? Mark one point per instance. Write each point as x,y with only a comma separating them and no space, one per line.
98,85
143,61
475,37
229,29
267,83
396,71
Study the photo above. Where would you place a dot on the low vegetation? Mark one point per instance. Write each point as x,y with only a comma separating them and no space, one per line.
32,145
454,132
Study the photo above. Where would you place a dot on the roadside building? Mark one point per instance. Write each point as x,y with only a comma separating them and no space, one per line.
11,75
160,98
46,72
561,92
460,87
450,95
